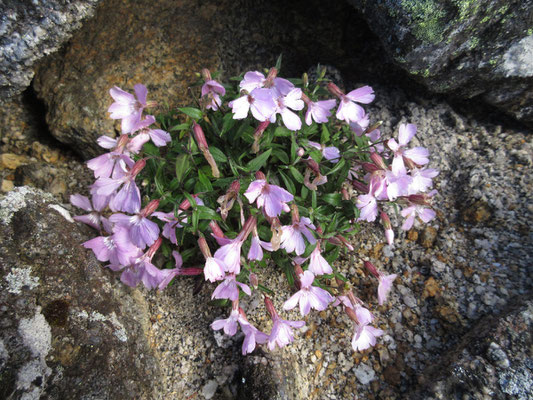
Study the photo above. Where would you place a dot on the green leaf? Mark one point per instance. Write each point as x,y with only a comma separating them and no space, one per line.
257,163
332,198
296,174
313,199
228,123
316,155
218,155
288,183
294,149
192,112
204,184
304,192
180,127
281,155
278,62
182,167
281,131
324,137
195,219
338,166
207,213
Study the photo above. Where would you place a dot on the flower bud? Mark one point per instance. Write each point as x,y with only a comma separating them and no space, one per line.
334,90
270,308
254,280
217,232
360,187
260,175
258,134
204,248
269,81
389,233
369,167
300,152
378,160
154,247
305,81
345,194
150,208
138,167
199,136
206,74
371,268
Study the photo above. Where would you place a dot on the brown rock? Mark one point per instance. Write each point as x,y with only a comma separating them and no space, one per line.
477,213
412,235
12,161
431,288
428,237
7,186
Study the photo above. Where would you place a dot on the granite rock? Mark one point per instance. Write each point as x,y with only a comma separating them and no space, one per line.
68,329
29,30
471,49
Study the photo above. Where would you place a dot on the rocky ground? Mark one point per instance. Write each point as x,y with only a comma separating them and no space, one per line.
469,268
458,322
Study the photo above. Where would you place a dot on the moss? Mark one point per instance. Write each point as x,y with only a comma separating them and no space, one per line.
530,32
427,19
474,41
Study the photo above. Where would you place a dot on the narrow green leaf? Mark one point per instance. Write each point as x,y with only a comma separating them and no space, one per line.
192,112
207,213
332,198
182,167
296,174
281,155
338,166
218,155
180,127
205,183
228,123
288,183
258,162
313,199
281,131
324,137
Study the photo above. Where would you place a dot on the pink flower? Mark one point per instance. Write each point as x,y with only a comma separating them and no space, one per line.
318,264
229,289
213,90
252,335
259,101
94,218
109,164
368,205
419,155
292,238
229,324
422,180
365,337
320,111
348,110
257,246
410,213
384,287
330,153
230,252
308,296
117,248
128,108
270,197
284,103
158,136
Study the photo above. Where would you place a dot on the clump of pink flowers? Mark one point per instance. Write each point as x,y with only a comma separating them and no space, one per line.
257,190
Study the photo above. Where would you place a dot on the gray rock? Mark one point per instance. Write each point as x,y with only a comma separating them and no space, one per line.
480,49
29,30
68,329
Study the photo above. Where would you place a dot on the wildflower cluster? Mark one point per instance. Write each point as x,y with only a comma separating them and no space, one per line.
268,179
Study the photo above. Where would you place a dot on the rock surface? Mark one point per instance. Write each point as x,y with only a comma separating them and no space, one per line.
481,49
68,330
29,30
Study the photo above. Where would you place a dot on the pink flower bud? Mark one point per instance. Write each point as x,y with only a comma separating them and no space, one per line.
199,136
154,247
345,194
260,175
359,186
300,152
270,308
137,167
217,232
204,248
206,74
150,208
269,81
254,280
389,233
371,268
334,90
369,167
378,160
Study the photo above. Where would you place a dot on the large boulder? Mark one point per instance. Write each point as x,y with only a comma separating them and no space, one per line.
29,30
471,49
68,330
